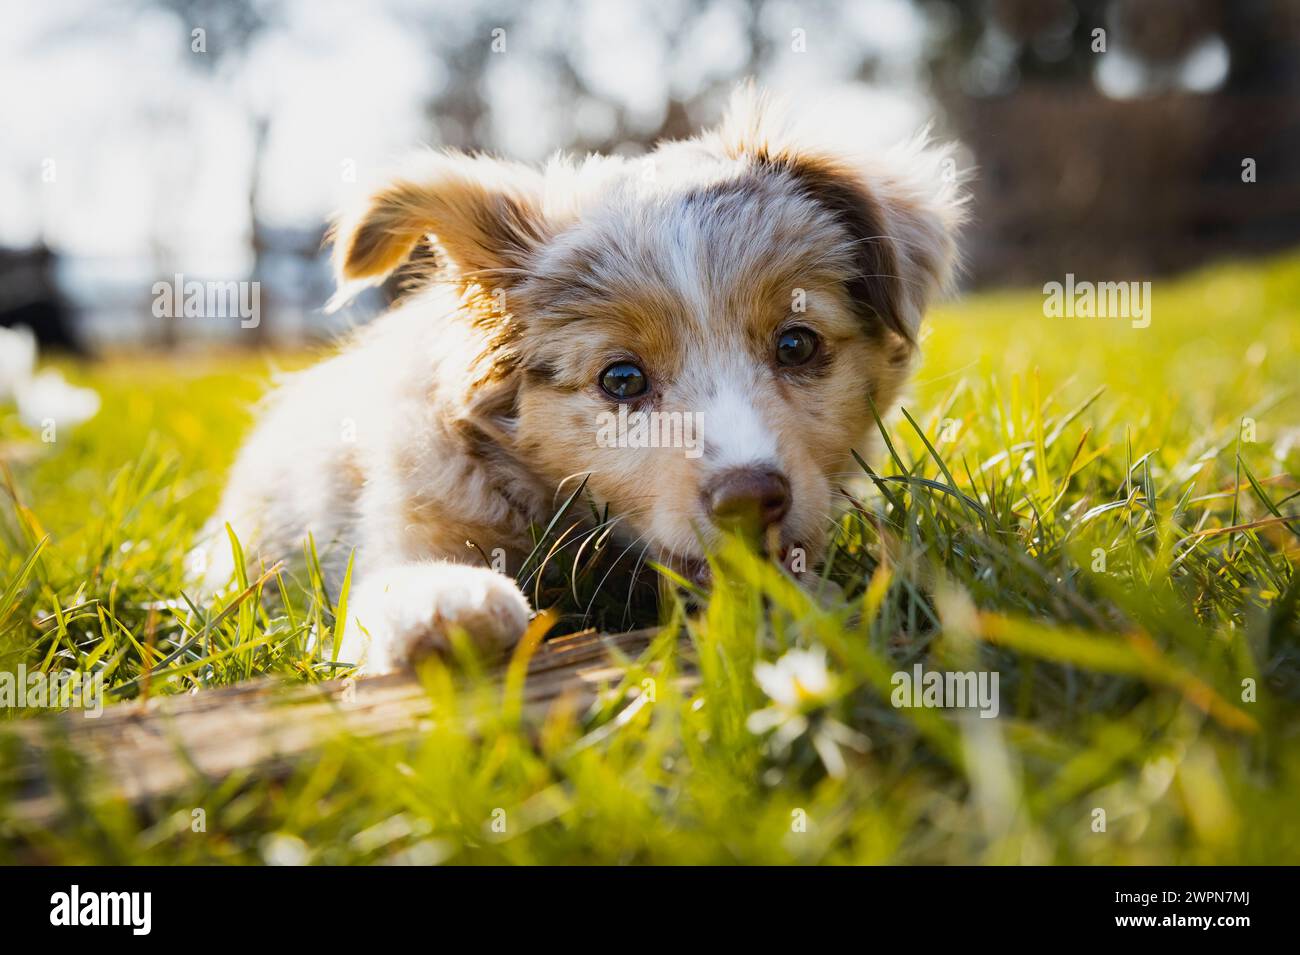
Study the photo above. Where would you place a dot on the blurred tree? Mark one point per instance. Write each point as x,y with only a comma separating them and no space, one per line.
230,29
1121,150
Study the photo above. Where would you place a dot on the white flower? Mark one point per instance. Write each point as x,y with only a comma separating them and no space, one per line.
48,397
17,359
41,398
798,684
797,681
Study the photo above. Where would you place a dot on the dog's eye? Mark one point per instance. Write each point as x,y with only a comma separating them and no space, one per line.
623,380
796,346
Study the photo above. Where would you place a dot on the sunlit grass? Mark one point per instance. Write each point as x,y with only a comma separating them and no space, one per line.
1105,516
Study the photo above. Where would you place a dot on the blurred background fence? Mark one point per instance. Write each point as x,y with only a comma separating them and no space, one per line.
210,139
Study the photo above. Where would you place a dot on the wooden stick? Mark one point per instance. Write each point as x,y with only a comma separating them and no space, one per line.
142,750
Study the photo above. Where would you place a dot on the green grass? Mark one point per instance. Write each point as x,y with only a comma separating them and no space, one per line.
1100,514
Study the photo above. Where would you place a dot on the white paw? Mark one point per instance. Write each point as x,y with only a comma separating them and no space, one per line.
409,611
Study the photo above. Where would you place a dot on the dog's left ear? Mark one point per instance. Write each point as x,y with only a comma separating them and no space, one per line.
903,207
484,215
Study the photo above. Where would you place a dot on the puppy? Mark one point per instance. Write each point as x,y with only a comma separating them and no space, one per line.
749,280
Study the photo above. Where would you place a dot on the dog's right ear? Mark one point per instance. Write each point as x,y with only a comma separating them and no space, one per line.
484,215
901,206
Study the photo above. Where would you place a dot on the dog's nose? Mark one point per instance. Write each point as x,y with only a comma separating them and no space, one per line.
748,499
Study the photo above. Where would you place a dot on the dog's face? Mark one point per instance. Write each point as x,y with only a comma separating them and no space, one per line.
700,334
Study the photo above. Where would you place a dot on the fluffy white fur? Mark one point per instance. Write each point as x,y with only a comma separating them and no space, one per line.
456,417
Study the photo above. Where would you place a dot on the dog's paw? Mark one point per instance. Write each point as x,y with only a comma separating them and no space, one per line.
403,613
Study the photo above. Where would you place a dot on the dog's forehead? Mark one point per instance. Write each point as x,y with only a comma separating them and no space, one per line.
697,236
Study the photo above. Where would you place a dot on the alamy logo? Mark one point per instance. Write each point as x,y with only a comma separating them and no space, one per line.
194,299
37,689
103,908
953,689
1071,299
651,429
